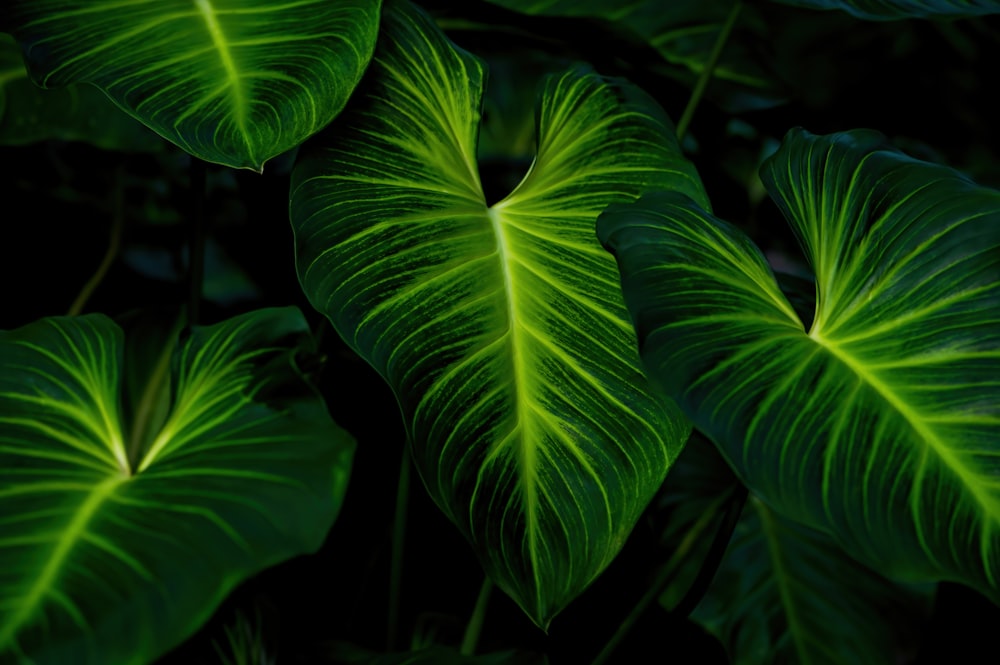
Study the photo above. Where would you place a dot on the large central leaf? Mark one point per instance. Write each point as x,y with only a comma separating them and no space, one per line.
501,329
114,553
879,423
234,82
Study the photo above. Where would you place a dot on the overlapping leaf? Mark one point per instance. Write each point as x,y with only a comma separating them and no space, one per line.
885,10
786,593
878,424
110,556
682,31
76,113
501,329
234,82
783,593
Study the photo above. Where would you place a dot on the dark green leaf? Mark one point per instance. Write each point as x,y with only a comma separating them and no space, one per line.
111,558
877,424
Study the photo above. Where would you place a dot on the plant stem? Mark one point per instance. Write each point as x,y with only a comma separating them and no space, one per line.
708,70
114,245
475,625
398,539
196,272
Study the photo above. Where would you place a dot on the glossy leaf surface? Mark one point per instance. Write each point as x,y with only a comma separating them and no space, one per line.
109,555
234,82
500,328
878,424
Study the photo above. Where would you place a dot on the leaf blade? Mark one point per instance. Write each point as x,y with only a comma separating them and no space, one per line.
476,316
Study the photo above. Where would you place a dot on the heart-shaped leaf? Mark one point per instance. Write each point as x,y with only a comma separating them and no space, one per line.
234,82
500,328
878,424
887,10
107,557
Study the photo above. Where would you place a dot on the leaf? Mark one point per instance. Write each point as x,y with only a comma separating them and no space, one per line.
500,329
232,82
684,33
110,559
888,10
878,425
76,113
786,593
783,593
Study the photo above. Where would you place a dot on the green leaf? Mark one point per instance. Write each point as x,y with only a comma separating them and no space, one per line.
107,558
783,593
76,113
887,10
233,83
879,423
683,32
786,593
501,329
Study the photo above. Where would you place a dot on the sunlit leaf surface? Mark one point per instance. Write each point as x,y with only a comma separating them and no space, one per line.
500,328
234,82
879,423
112,553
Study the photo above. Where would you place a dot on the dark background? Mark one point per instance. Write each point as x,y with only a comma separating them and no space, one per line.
925,85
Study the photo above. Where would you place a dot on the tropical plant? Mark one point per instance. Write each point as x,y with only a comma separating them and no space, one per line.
626,413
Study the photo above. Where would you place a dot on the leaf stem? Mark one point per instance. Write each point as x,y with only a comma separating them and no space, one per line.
398,539
114,245
708,70
475,625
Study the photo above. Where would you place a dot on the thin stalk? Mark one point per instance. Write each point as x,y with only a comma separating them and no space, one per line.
708,70
114,245
475,625
663,577
398,539
196,272
713,559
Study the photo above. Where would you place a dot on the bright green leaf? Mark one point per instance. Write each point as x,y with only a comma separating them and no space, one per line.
500,328
886,10
233,82
107,557
878,424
